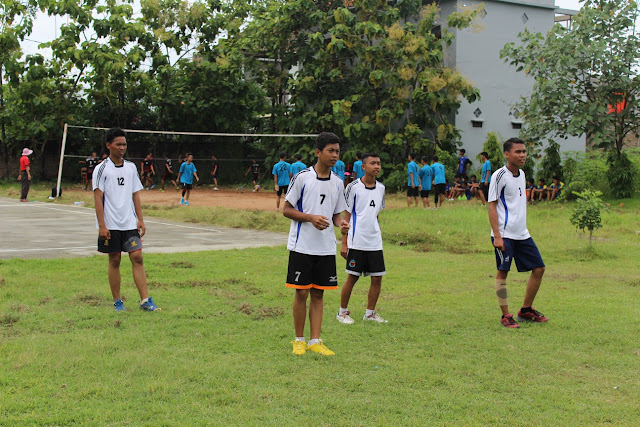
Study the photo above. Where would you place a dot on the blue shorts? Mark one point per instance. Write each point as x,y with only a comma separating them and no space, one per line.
525,252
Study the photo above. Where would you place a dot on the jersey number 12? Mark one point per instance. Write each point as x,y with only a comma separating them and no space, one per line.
120,180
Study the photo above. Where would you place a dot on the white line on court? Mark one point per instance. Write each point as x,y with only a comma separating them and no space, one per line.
78,210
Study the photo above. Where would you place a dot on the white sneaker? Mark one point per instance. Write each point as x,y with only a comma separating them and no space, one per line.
375,317
344,318
215,188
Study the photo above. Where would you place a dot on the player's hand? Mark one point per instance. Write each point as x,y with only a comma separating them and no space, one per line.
141,228
413,186
277,188
320,222
18,178
344,227
104,233
420,188
344,249
29,177
498,243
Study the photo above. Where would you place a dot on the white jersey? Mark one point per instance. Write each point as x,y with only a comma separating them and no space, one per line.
510,191
118,183
316,196
364,204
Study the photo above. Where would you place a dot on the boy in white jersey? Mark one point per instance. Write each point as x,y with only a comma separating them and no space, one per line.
362,246
313,201
116,187
509,233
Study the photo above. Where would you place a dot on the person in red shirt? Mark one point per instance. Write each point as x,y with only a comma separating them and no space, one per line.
25,173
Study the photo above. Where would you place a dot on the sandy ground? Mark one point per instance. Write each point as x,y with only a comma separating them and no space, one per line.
205,196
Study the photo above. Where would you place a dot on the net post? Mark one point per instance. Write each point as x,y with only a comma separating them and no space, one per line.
64,144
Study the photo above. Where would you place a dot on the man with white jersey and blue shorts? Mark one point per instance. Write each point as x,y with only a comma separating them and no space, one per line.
510,236
314,201
116,188
362,246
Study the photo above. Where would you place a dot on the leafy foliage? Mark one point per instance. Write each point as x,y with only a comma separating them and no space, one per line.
493,147
587,213
621,175
551,162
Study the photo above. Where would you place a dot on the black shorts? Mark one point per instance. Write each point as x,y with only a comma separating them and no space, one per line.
186,186
214,175
525,252
146,174
412,191
282,189
89,175
424,194
166,175
255,176
120,241
461,175
440,188
367,263
484,188
312,271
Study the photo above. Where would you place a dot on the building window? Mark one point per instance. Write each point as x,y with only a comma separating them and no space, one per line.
516,125
477,123
525,18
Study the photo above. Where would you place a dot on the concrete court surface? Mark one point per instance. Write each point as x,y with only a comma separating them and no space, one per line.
49,230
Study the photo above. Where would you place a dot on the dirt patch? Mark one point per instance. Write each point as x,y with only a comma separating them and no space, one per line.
182,264
45,300
8,320
260,312
20,308
91,299
264,200
2,282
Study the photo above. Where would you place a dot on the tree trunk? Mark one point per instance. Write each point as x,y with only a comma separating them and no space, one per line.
43,161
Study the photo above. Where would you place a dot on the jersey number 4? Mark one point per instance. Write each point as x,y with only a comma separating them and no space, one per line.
120,180
372,204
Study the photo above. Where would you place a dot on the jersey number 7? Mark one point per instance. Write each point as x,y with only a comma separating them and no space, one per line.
322,198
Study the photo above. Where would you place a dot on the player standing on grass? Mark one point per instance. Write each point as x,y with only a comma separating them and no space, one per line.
509,233
281,178
439,182
339,169
185,177
362,245
315,200
426,179
413,173
298,165
357,167
116,188
485,178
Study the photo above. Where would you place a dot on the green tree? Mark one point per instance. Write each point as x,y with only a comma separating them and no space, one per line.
551,164
586,78
587,213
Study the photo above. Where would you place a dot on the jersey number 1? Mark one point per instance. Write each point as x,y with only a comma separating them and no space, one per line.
120,180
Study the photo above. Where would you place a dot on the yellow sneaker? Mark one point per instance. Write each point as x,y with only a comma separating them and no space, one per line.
320,348
299,347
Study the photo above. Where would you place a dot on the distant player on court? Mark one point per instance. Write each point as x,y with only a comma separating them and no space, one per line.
358,172
214,172
509,233
362,245
116,188
254,168
339,169
298,165
426,179
281,178
439,182
147,170
413,182
314,201
91,162
167,173
185,178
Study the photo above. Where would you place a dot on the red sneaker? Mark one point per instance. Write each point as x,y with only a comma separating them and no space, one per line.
509,322
532,316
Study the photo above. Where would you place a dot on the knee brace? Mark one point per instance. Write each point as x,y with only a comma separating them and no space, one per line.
501,292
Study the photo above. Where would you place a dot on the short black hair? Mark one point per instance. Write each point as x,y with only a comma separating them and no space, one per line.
425,159
113,133
509,143
282,155
434,158
541,180
412,155
530,180
555,177
484,153
326,138
365,155
188,154
473,176
298,156
358,155
463,151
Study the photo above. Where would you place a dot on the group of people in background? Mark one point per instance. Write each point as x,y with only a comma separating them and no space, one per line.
431,178
542,191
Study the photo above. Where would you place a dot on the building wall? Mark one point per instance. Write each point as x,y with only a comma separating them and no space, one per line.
477,57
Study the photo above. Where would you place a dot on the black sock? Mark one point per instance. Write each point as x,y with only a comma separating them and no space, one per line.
526,310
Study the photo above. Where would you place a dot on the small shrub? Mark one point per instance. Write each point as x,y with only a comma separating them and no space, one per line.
573,188
621,175
587,214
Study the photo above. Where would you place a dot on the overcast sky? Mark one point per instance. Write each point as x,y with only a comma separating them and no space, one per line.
46,28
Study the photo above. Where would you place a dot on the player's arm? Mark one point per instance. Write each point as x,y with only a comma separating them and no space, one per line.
344,248
103,232
493,221
137,205
196,175
320,222
275,183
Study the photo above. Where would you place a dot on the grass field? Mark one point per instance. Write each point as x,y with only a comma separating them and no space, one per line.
219,351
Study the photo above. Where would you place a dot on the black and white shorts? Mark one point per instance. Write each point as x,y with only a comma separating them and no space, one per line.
312,271
365,263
